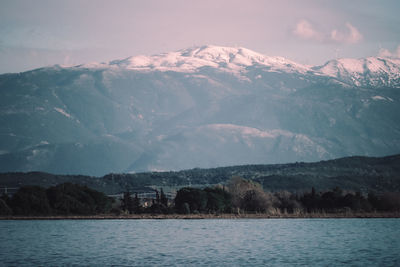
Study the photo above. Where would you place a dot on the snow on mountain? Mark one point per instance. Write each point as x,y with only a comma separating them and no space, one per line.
371,71
234,59
199,107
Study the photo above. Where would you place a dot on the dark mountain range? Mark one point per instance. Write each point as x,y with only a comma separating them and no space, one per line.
202,107
363,174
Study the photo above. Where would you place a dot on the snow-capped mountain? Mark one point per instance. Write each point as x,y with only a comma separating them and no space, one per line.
199,107
372,71
224,58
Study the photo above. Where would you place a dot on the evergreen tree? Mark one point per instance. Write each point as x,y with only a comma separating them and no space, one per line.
127,202
4,208
30,200
163,198
136,204
157,197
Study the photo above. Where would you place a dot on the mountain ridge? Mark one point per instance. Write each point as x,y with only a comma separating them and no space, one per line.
191,59
237,58
365,174
96,120
360,72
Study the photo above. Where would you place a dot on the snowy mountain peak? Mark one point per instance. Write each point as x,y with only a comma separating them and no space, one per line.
234,59
224,54
122,116
371,71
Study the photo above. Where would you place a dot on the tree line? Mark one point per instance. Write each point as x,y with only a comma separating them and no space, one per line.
63,199
246,196
237,196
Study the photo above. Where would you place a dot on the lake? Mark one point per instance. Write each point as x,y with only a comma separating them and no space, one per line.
239,242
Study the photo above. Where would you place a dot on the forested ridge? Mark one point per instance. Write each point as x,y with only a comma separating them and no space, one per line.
362,174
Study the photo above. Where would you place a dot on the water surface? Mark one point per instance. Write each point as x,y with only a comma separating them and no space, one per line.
271,242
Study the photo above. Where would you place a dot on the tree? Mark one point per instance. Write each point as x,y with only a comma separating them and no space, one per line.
163,198
248,195
195,198
218,200
157,197
71,198
311,200
4,208
390,201
374,200
288,202
30,200
127,203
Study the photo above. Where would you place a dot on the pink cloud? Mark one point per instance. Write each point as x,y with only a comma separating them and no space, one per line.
351,35
307,31
383,52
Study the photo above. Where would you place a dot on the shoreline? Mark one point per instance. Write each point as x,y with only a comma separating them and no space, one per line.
208,216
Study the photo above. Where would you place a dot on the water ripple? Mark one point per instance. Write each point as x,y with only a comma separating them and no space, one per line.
286,242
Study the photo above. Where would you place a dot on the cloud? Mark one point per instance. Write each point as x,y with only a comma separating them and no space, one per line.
351,35
383,52
307,31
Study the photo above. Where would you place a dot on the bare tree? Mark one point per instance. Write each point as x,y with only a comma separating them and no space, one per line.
248,195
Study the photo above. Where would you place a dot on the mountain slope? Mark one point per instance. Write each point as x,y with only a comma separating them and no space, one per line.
228,59
370,72
199,107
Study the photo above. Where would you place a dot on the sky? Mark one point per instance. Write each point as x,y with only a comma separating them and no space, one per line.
40,33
